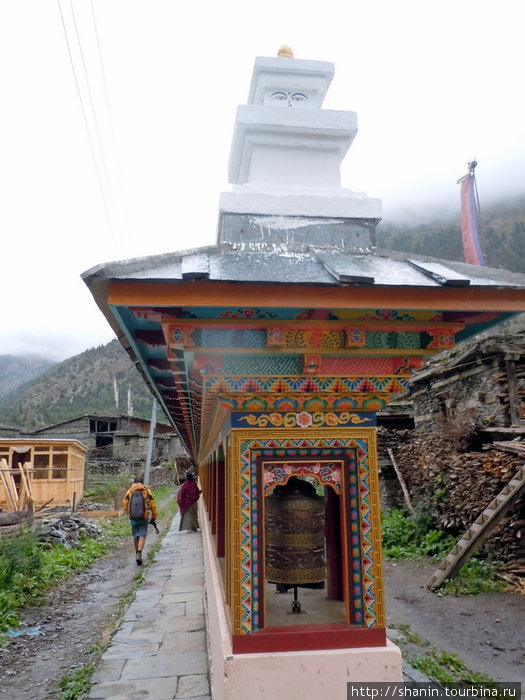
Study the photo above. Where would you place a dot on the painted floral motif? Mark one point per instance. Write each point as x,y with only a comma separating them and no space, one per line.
304,419
355,337
442,339
275,336
386,315
246,312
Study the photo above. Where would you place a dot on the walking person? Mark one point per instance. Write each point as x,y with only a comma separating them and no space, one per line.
187,498
141,508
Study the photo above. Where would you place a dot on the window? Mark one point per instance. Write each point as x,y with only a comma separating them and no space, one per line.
41,465
59,466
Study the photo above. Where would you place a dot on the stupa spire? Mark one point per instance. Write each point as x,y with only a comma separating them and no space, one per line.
285,52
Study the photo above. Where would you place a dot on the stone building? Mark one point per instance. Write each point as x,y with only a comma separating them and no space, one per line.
9,431
117,438
480,385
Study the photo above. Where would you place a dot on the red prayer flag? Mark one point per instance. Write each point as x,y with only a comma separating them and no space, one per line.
469,222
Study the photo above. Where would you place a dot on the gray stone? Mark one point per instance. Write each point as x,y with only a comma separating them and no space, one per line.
177,642
187,663
193,686
108,670
116,691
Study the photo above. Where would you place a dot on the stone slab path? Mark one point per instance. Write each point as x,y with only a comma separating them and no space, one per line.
159,650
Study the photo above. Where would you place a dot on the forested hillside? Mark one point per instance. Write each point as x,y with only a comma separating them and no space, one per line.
501,231
18,370
82,384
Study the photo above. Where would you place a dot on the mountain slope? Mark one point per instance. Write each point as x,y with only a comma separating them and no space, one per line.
501,232
82,384
15,371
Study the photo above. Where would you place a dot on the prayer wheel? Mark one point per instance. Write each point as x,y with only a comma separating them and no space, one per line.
295,541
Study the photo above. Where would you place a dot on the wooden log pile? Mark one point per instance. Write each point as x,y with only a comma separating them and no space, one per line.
456,486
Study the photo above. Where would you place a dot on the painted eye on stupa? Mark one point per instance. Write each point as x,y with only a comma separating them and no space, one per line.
279,97
298,97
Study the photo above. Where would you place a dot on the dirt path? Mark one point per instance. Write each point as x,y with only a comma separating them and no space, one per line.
76,616
486,631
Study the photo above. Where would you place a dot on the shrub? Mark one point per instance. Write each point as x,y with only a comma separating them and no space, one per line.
19,554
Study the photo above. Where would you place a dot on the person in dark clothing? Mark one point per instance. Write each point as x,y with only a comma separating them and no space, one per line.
187,498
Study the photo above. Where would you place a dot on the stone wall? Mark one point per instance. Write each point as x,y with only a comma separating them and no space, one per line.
482,386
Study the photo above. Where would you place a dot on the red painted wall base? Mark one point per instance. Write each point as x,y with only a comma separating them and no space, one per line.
308,638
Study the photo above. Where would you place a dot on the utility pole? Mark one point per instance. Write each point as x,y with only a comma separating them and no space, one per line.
150,441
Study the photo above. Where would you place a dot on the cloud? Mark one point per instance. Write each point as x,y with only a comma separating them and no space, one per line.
55,345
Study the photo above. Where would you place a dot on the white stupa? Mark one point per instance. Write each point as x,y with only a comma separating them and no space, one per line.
285,162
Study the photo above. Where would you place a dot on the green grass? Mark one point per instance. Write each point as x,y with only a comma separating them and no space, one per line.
408,537
449,668
439,665
103,489
28,568
476,576
76,684
412,537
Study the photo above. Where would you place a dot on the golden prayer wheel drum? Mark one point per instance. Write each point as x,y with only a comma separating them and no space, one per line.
295,543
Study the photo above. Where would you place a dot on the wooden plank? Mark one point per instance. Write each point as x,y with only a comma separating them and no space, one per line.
23,480
41,507
514,400
100,513
9,484
27,470
22,499
402,482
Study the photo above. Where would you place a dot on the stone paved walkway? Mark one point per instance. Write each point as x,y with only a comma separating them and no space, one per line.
159,650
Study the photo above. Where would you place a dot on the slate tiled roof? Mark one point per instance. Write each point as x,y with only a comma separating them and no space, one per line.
304,265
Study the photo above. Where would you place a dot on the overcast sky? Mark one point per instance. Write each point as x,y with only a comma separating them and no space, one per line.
434,83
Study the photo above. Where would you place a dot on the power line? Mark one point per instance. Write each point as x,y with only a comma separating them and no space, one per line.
107,199
93,111
109,112
106,94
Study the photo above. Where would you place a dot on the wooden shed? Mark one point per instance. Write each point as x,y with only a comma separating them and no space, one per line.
47,471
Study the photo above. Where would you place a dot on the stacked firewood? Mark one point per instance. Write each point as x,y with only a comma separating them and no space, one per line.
457,486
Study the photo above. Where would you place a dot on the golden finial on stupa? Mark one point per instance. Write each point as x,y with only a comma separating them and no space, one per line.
285,52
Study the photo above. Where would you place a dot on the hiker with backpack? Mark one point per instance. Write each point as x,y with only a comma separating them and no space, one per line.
140,505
